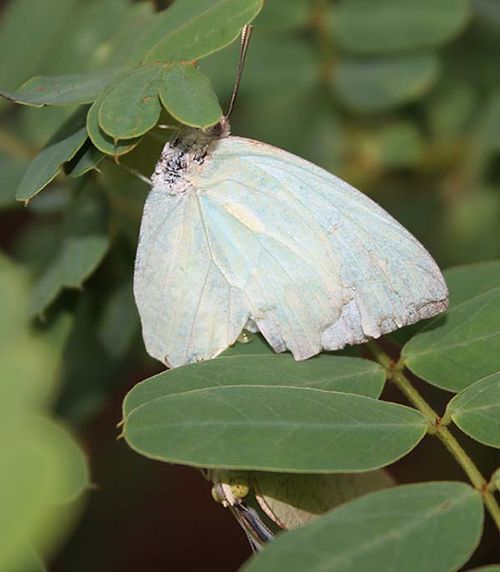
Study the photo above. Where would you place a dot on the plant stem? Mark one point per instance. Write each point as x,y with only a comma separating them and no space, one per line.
395,373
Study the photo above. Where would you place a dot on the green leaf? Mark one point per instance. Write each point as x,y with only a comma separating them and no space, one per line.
382,26
292,500
457,349
61,148
40,21
279,428
373,85
256,364
470,280
476,410
62,90
415,528
196,28
492,568
77,249
188,96
103,142
86,160
131,106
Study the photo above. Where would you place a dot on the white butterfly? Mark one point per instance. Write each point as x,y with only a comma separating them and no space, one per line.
239,234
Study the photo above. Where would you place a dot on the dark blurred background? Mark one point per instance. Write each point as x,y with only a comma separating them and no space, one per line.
400,98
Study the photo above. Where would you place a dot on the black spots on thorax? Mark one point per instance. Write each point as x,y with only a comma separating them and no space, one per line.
182,154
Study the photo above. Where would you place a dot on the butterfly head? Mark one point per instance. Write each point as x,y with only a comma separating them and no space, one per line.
185,153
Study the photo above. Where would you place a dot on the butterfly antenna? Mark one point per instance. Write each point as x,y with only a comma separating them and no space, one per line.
245,40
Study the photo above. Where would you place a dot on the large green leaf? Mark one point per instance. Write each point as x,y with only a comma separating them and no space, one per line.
192,29
380,26
61,148
470,280
279,428
457,349
255,364
476,410
76,250
415,528
188,96
131,105
371,85
62,90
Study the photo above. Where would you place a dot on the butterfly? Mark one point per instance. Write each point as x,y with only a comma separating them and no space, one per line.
237,234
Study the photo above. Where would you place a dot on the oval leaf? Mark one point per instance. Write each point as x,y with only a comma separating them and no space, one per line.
103,142
62,90
468,281
423,527
476,410
256,364
188,96
380,84
273,428
460,347
62,147
196,28
394,25
131,106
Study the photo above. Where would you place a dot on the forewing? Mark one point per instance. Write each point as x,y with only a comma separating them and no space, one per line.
387,279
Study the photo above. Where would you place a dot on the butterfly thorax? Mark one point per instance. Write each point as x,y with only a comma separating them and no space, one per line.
183,156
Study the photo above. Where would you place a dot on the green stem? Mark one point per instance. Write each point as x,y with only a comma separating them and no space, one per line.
395,373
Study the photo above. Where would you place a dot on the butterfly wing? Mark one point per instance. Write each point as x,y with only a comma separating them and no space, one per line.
263,236
209,260
389,280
